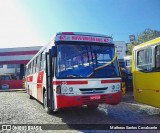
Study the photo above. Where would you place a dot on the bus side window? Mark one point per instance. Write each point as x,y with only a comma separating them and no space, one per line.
157,51
43,61
40,60
140,59
128,62
29,69
145,59
33,66
38,63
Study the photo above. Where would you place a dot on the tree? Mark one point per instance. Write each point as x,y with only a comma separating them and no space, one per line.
129,48
146,35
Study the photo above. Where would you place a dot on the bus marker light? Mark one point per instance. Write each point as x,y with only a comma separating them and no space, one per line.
70,89
117,86
113,87
68,33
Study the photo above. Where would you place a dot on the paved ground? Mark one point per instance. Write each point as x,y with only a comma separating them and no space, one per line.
17,108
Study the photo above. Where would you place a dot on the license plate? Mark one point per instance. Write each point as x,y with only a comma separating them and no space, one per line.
95,97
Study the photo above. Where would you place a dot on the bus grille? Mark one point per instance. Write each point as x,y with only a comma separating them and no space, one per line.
92,90
87,101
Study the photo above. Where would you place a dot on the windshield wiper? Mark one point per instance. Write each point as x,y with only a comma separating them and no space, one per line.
100,67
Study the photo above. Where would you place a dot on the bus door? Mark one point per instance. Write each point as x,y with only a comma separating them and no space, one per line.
49,86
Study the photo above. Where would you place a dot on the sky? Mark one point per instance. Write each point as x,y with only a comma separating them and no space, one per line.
34,22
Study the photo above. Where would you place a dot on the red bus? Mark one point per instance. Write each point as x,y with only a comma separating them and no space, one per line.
75,69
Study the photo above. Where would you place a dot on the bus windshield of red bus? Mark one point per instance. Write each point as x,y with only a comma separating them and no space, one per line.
81,61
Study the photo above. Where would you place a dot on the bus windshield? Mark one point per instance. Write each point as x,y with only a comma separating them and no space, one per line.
129,65
86,61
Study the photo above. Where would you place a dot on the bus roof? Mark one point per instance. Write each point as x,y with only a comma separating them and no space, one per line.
83,37
82,33
151,42
98,38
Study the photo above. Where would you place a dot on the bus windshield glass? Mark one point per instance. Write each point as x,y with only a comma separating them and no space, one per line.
86,61
129,66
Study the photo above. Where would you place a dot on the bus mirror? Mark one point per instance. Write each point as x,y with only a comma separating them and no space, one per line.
54,51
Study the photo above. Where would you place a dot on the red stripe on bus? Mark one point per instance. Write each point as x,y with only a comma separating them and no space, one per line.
69,82
14,62
39,86
40,77
18,53
110,81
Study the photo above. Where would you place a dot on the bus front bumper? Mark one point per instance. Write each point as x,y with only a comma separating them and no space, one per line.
73,101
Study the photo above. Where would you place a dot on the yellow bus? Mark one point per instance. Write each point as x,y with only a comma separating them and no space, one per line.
146,72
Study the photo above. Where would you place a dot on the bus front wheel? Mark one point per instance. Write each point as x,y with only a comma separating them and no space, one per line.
46,108
30,96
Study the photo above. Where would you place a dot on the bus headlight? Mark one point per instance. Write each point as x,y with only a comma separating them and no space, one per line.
113,87
58,89
70,89
118,86
64,89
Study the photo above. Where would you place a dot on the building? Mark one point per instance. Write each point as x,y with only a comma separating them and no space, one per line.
13,61
120,51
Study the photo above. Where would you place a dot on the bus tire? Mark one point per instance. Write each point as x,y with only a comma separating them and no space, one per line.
30,97
92,107
47,109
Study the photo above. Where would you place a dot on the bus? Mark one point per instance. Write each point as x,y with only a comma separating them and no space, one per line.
146,72
74,70
128,71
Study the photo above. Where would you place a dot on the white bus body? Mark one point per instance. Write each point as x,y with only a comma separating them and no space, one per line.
74,69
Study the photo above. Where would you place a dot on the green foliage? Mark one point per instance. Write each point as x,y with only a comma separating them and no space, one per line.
129,49
146,35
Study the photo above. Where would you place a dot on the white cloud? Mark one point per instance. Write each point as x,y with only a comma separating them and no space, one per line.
16,28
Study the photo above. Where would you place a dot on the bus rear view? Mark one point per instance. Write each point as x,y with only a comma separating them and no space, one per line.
83,71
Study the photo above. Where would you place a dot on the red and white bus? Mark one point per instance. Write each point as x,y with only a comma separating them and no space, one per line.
75,69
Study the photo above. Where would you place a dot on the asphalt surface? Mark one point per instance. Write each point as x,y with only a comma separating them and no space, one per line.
17,108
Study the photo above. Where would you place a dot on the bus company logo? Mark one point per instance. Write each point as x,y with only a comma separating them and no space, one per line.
94,90
64,83
6,127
